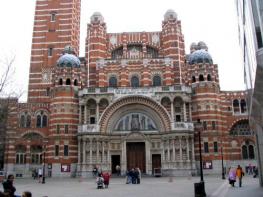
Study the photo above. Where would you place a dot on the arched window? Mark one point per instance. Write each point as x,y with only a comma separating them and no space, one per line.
251,152
244,152
113,81
25,120
236,106
60,82
38,121
20,154
243,106
42,120
157,80
248,150
68,82
193,79
209,77
135,82
22,120
241,128
75,82
201,78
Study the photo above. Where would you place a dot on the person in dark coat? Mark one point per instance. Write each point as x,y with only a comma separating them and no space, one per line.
8,185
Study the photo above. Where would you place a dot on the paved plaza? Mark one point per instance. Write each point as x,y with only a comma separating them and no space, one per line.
149,187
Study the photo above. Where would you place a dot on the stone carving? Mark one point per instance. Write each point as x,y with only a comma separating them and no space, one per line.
135,125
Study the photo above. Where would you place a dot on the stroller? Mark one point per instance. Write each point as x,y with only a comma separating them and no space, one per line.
100,182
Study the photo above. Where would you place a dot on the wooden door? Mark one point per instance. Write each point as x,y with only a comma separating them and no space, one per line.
136,155
156,162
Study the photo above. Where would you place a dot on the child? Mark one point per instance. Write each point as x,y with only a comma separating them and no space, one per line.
100,182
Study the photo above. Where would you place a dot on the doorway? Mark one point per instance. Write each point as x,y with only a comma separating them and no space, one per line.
115,160
156,163
136,155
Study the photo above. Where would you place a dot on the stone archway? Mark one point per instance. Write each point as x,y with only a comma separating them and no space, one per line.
138,104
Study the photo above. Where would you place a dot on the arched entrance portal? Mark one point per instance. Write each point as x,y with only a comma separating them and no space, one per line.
134,120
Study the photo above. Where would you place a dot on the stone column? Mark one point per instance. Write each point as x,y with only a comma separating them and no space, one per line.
148,161
79,151
180,145
97,151
185,119
123,157
168,150
97,113
90,151
193,149
172,111
80,112
187,148
84,151
173,149
85,114
163,150
190,113
102,152
239,106
108,156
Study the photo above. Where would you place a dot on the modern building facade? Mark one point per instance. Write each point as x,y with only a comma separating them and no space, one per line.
133,100
250,15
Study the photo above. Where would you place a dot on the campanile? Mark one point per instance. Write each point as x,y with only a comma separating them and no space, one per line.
56,25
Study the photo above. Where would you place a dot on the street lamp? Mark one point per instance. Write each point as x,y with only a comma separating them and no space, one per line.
200,187
222,160
44,157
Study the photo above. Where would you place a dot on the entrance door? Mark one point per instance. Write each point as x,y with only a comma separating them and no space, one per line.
156,163
115,160
136,155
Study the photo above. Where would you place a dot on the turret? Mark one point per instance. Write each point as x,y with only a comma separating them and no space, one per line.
96,47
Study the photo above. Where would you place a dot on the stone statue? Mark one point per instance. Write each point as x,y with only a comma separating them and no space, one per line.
135,125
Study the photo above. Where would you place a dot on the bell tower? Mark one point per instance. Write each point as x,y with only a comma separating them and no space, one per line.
56,25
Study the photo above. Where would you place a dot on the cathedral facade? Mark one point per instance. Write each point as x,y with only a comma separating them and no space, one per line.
136,99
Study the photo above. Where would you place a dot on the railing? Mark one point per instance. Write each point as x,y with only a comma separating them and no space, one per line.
120,91
88,128
183,126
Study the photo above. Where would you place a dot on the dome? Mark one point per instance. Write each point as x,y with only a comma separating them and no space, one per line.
96,17
170,14
202,45
193,47
200,56
68,60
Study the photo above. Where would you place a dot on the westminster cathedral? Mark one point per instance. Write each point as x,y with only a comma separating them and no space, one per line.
136,99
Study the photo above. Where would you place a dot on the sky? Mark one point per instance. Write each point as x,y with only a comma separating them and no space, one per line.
211,21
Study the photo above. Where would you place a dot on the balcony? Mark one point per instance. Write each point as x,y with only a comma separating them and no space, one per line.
88,128
125,91
183,126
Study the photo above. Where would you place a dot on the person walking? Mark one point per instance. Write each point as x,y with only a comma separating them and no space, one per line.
40,174
240,174
232,177
106,177
8,186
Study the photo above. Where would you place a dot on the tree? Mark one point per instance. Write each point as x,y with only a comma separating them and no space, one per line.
7,72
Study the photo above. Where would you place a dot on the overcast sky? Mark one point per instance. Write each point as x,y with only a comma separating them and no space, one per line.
211,21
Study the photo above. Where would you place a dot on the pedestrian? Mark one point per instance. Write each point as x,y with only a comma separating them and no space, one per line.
255,172
118,170
8,186
27,194
232,176
139,175
106,177
40,174
240,174
100,181
128,177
